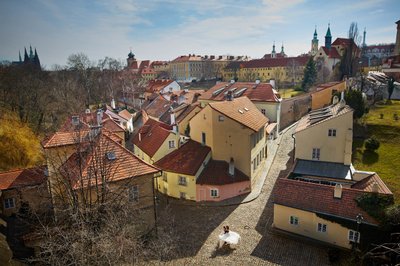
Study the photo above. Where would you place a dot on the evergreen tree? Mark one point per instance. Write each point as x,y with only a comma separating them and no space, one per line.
310,75
354,99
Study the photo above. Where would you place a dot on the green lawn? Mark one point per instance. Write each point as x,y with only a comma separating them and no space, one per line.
288,93
386,160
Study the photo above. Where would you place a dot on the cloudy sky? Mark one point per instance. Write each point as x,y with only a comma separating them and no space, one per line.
165,29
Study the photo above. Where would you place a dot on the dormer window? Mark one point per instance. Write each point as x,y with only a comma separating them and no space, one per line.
111,155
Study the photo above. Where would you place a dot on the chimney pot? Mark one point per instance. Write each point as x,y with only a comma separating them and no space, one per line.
337,193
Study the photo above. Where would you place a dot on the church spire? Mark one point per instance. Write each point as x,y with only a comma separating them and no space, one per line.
273,53
365,32
315,33
20,59
26,58
328,37
30,52
282,50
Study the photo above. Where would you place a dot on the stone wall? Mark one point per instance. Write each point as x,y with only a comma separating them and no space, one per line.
293,109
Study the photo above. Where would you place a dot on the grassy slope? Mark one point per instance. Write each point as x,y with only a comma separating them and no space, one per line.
386,160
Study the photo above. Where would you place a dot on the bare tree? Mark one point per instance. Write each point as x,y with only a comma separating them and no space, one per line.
99,218
350,59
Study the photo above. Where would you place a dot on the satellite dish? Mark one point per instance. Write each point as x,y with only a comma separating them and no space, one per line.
335,100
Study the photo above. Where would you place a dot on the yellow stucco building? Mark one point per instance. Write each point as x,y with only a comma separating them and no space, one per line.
326,135
322,96
233,129
318,199
154,140
181,168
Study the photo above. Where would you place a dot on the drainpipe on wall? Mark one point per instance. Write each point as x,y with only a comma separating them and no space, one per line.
294,147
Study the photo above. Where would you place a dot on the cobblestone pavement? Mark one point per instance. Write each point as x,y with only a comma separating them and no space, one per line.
199,227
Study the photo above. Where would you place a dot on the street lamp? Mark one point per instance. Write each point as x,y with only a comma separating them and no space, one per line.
359,219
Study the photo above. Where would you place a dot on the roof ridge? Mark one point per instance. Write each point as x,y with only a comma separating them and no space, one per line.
131,153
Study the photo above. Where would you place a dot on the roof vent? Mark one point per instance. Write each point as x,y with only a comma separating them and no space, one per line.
232,81
111,155
75,120
375,187
257,81
241,111
246,109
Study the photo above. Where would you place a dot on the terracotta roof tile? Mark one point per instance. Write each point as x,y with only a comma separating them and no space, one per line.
185,160
216,173
262,92
332,53
319,198
22,177
152,136
367,184
243,111
158,107
65,138
157,85
125,114
125,165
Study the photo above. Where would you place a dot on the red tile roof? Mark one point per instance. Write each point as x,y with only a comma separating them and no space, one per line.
17,178
125,114
185,160
94,160
243,111
152,136
157,85
262,92
342,41
157,107
276,62
70,134
216,173
319,198
331,53
367,184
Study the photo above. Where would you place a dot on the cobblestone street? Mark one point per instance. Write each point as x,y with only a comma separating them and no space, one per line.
199,227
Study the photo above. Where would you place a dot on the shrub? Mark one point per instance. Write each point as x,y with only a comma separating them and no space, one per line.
372,144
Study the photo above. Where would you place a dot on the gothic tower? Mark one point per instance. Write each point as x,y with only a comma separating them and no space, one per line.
314,43
328,37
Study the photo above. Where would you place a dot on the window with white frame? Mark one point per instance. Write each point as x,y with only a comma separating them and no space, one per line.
316,153
134,193
9,203
221,118
332,132
294,220
214,193
171,144
354,236
263,111
321,227
182,180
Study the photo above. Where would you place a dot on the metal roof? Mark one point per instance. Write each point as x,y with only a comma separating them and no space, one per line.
322,169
